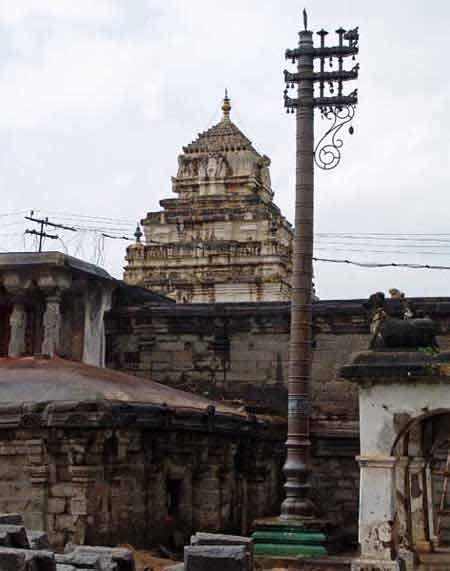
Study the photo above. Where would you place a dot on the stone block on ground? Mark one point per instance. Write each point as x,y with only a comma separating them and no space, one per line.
177,567
86,561
14,536
205,538
11,519
38,539
11,560
209,557
100,558
26,560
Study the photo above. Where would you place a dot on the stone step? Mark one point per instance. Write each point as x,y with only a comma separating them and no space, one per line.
288,537
327,563
285,549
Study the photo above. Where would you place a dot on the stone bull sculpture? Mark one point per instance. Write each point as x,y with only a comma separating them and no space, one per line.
394,333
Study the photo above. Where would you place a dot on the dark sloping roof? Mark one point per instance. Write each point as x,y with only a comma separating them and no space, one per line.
130,295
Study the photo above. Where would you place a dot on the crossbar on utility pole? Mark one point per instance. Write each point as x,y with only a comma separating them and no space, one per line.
41,233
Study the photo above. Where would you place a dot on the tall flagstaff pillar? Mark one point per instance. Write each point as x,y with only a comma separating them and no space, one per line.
298,530
297,466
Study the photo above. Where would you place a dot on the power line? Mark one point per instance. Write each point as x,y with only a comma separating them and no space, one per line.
87,217
382,240
117,237
14,213
383,265
351,234
366,251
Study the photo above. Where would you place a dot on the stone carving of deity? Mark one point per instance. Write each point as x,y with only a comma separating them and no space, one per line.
186,168
265,172
213,166
211,169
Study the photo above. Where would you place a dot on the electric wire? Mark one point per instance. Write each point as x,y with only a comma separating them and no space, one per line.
382,265
117,228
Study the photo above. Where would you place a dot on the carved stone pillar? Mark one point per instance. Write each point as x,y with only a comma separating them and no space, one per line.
18,326
52,325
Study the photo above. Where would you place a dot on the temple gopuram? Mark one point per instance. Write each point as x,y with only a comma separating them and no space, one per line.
222,239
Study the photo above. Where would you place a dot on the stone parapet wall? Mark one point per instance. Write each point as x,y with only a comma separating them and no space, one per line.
236,351
240,350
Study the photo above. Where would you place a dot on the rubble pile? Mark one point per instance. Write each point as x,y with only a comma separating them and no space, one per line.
22,549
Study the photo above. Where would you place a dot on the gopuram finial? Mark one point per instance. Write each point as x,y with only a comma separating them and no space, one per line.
226,107
305,19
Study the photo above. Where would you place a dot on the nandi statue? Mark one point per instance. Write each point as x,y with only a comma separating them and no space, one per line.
395,333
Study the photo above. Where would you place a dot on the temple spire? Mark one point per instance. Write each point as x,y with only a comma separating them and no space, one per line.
226,107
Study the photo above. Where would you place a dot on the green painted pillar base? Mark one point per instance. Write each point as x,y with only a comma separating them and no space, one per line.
290,537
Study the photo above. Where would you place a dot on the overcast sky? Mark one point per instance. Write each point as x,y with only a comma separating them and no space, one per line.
97,97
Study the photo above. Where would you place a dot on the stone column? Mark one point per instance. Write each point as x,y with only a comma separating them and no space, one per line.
18,326
417,487
52,325
405,549
376,513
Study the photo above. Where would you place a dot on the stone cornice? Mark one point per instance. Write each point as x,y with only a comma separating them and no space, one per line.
384,367
103,414
352,310
382,462
28,260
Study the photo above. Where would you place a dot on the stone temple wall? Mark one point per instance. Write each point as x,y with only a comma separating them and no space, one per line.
240,352
141,477
234,351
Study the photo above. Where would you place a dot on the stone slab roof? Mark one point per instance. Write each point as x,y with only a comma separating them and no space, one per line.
38,380
40,393
397,365
15,260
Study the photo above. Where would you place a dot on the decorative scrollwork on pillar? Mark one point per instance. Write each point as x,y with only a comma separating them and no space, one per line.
327,154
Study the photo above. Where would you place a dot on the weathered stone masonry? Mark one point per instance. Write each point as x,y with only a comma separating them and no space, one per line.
239,352
95,456
99,473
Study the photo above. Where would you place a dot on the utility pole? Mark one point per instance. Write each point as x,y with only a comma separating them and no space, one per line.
298,513
43,222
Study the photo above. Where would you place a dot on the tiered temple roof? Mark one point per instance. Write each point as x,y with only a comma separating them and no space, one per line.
222,238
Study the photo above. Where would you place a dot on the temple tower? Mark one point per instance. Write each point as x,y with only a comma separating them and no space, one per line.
222,239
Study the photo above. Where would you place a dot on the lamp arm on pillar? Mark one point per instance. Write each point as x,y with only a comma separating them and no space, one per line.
327,153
